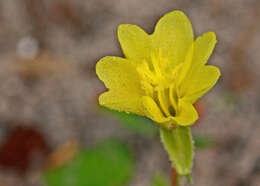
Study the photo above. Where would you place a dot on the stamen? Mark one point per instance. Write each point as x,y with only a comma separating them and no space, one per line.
155,64
173,97
164,102
157,72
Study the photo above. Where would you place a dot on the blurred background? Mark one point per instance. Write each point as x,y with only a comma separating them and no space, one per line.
52,131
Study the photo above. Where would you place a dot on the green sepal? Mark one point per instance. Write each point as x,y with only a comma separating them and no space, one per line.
179,145
189,178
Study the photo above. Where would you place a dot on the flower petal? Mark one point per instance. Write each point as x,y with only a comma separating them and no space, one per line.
173,35
185,68
203,47
201,81
186,114
123,82
152,110
195,79
135,43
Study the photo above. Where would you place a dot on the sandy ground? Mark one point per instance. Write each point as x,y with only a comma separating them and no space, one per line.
60,96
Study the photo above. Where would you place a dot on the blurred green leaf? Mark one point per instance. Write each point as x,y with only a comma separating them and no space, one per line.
202,142
159,180
135,123
108,164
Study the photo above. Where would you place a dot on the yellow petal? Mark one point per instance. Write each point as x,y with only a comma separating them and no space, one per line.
204,46
152,110
195,79
123,82
186,114
201,81
135,43
185,67
173,35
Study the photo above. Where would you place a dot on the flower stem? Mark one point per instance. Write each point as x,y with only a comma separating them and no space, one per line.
174,177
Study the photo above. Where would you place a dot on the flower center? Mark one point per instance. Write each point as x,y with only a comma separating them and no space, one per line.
158,83
165,100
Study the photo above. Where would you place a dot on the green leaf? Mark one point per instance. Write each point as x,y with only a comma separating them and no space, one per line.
202,142
159,180
108,164
179,145
137,124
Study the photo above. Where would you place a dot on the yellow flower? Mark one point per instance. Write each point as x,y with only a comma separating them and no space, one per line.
162,74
